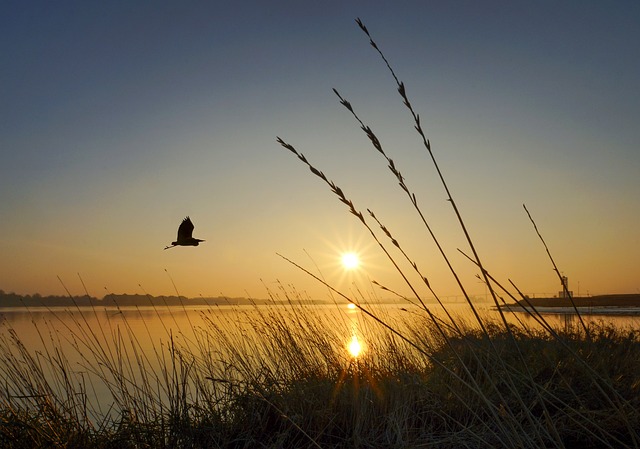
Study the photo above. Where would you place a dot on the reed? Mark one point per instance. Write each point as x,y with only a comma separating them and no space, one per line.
520,416
280,375
286,380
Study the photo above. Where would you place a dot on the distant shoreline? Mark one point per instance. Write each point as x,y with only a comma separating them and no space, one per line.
615,304
12,300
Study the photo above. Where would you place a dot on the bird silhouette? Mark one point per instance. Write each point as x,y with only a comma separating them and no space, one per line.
185,231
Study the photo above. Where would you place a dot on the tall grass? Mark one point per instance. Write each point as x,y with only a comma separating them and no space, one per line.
521,418
281,376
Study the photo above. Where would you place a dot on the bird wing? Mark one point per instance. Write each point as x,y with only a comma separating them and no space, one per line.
185,229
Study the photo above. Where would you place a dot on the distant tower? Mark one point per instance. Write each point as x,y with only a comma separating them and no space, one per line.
565,292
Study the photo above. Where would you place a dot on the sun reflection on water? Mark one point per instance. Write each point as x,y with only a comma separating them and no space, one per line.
354,346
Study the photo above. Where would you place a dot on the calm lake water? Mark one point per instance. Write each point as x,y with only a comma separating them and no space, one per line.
98,348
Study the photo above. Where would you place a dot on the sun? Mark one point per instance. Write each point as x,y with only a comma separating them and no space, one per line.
350,261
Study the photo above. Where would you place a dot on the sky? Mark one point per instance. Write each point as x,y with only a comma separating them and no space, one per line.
118,119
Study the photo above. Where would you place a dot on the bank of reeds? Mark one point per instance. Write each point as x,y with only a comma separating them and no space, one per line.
287,380
282,377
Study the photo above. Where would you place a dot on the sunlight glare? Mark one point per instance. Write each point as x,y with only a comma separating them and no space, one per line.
350,261
351,306
354,347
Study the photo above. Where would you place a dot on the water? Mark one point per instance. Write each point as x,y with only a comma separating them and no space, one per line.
110,356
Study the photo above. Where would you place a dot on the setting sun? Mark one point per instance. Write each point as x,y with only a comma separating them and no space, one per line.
350,261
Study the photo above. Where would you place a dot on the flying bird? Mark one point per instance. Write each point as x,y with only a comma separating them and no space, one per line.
185,230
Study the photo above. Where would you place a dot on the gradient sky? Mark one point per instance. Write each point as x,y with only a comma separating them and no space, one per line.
119,118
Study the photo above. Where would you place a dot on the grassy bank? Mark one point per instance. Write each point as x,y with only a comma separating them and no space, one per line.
294,384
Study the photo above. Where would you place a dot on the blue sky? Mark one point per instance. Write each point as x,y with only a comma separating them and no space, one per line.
118,119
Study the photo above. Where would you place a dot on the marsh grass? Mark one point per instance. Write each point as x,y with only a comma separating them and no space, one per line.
280,376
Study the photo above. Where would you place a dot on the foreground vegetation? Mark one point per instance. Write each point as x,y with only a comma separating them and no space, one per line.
288,381
283,378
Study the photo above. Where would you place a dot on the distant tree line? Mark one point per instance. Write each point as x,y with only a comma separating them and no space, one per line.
37,300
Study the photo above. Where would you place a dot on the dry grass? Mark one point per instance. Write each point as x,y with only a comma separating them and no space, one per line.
287,381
